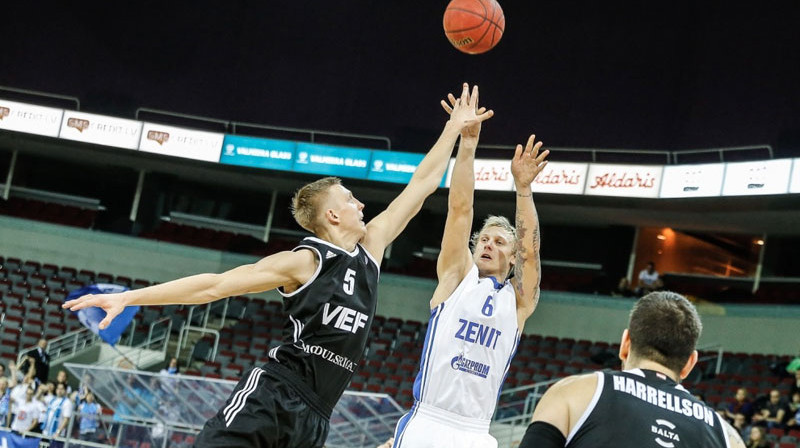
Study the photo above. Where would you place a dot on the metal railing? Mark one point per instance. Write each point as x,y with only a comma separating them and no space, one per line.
66,345
670,157
38,93
233,126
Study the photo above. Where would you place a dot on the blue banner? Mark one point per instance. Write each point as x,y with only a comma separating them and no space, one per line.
332,160
258,152
91,317
11,440
397,167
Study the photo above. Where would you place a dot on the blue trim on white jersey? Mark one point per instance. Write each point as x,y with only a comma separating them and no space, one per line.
508,364
427,349
402,424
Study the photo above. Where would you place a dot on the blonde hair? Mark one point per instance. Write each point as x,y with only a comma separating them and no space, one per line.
495,221
306,201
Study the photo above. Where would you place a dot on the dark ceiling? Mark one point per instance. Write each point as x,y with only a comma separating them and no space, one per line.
654,75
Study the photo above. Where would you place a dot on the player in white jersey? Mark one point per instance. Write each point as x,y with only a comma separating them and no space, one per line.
478,309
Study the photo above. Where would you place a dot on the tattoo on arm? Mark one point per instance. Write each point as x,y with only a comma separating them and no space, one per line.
522,254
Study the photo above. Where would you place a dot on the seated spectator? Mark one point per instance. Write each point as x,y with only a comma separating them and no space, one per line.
27,413
649,280
796,383
773,412
741,405
172,368
89,411
5,402
794,411
740,424
758,438
623,288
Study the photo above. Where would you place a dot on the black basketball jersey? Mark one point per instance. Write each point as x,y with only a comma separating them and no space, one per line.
642,408
329,319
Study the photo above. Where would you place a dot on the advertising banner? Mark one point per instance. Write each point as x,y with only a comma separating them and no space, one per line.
28,118
391,166
561,178
490,174
332,160
258,152
794,184
756,178
180,142
634,181
101,130
692,181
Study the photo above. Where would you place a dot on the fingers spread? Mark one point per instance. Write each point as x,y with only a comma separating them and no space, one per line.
451,98
518,152
486,115
446,107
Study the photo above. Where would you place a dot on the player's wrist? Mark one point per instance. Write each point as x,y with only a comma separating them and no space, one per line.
524,191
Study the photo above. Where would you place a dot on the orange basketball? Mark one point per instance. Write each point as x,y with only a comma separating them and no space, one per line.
474,26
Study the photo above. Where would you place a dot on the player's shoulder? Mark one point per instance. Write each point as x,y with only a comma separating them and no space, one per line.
575,384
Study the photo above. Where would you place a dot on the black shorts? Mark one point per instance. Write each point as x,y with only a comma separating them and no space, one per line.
265,411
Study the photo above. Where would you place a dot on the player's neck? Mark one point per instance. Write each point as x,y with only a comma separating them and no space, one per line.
346,241
646,364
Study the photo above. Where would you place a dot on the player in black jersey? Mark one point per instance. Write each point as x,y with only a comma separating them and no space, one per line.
330,287
644,405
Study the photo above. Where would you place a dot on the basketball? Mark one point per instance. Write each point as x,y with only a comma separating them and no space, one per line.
474,26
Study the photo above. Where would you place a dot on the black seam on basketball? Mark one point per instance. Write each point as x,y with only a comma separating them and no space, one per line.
485,19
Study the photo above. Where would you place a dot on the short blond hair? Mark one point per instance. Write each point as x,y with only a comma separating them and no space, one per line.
306,202
495,221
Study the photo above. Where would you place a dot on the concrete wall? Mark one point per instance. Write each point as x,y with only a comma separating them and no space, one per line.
745,328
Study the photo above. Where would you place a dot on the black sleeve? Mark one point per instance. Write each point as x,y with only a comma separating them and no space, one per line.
543,435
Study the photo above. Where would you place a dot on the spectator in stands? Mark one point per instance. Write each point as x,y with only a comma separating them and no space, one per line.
758,438
172,368
62,378
740,424
796,383
41,360
773,412
58,412
27,413
387,444
2,370
79,396
794,411
48,392
623,288
89,411
649,280
741,405
19,390
5,402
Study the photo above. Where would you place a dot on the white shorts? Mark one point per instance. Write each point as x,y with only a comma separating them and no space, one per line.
426,426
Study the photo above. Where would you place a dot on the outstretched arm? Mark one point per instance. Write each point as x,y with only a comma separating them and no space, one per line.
385,227
455,259
288,269
525,166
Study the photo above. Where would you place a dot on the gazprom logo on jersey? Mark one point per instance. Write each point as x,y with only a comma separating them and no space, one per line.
467,365
389,166
332,160
258,152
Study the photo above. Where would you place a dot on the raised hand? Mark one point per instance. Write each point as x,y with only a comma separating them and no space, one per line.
459,109
528,163
112,304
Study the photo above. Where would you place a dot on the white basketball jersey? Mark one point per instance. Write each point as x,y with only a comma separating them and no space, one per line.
471,339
